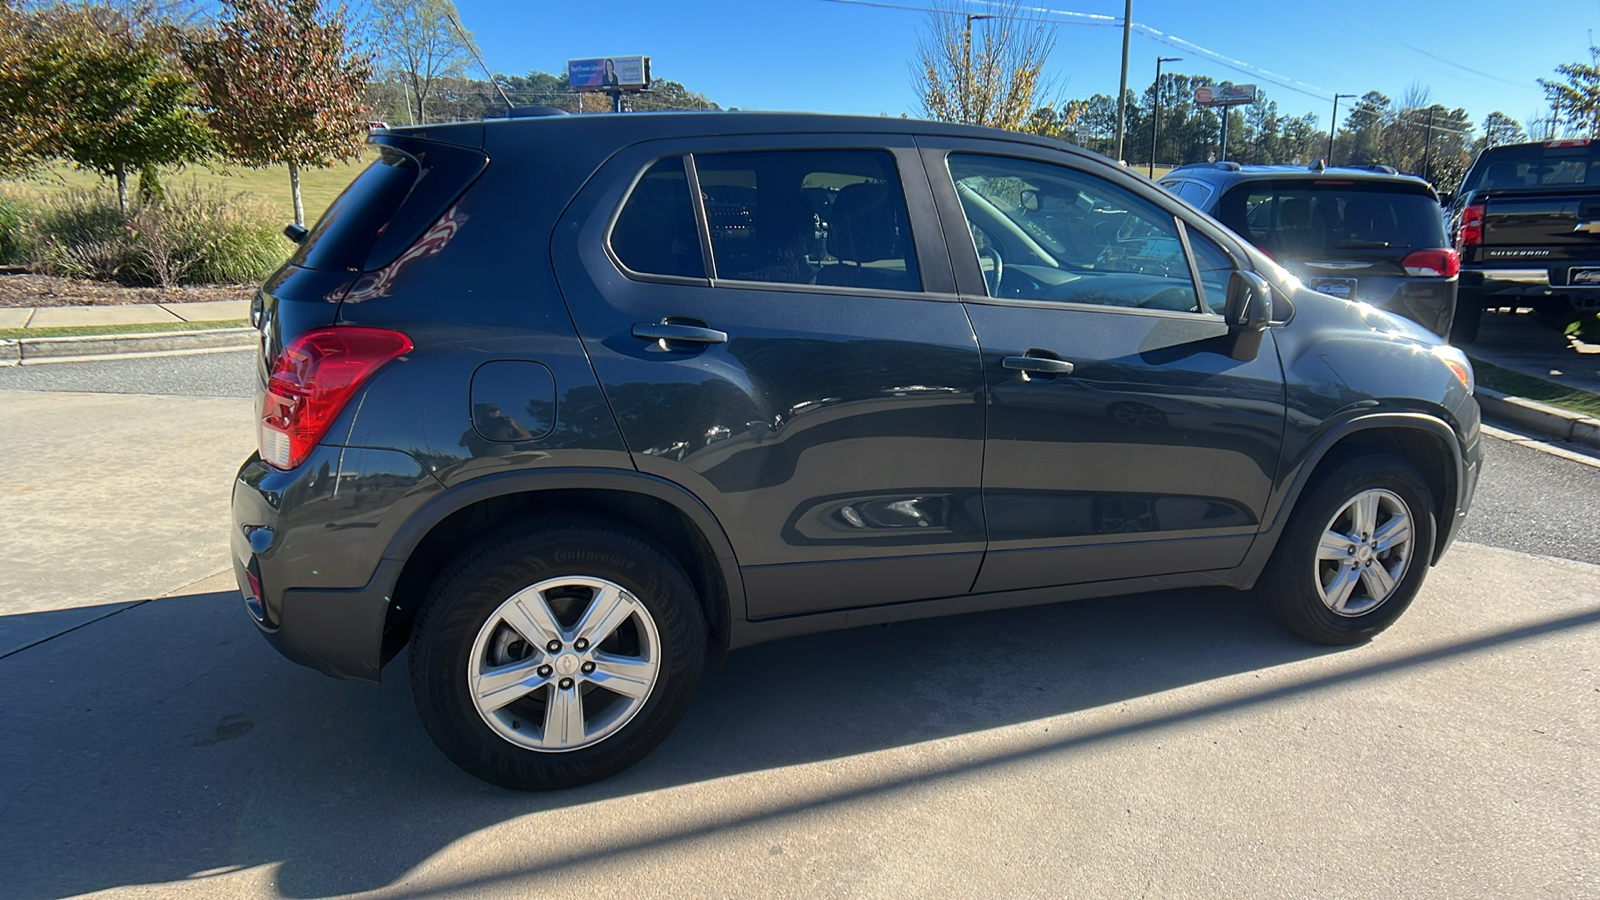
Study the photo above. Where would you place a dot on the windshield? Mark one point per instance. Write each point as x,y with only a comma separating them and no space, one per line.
1531,166
1294,218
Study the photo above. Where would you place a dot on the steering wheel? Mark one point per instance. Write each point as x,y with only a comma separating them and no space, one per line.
992,279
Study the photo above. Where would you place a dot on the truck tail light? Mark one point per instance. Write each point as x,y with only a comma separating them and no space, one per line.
1432,262
1471,232
312,380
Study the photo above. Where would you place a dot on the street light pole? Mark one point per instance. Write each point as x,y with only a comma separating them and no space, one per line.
966,72
1155,120
1333,127
1122,86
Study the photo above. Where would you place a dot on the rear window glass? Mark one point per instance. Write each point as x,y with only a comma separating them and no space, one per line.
1298,217
1535,166
655,233
824,217
389,205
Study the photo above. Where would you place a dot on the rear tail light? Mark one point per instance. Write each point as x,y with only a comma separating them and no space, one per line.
311,382
1471,233
1433,262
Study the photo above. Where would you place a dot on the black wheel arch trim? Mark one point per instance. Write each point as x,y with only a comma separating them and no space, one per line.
1318,449
460,496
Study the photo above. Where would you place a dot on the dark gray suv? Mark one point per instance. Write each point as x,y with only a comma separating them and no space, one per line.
569,405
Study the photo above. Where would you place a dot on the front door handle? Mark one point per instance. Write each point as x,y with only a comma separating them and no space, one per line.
1037,364
693,334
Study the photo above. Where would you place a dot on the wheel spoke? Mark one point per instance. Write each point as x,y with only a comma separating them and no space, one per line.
498,687
1394,532
530,617
1378,580
1335,546
1338,591
627,676
610,608
1364,514
563,718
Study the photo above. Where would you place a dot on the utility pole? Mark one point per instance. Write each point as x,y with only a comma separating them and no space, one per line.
1155,120
1333,127
1122,86
967,81
1427,147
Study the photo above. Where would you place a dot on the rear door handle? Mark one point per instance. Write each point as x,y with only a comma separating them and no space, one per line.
694,334
1037,364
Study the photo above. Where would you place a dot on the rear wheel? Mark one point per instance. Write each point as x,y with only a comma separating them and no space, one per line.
556,656
1354,554
1469,315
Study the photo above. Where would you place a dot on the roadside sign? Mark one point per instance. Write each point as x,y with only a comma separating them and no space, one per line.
1225,95
609,73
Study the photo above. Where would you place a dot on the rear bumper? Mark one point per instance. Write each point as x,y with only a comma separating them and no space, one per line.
1532,283
307,550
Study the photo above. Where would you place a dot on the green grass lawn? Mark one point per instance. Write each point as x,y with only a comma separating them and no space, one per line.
1527,386
318,187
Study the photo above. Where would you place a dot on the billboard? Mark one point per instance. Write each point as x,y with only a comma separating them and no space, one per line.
1225,95
609,73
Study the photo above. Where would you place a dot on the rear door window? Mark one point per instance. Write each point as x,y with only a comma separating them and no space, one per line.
655,233
822,217
1294,218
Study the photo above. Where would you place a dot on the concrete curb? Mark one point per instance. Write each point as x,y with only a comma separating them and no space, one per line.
22,351
1556,424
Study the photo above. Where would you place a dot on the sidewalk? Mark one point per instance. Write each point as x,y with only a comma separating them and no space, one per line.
136,314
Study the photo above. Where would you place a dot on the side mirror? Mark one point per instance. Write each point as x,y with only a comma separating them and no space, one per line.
1030,201
296,233
1247,311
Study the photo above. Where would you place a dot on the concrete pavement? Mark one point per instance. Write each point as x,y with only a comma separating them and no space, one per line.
133,314
1174,745
101,507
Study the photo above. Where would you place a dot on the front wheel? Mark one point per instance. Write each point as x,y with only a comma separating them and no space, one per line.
556,656
1354,554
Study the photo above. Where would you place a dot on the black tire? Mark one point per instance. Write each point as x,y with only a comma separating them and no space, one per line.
475,586
1288,588
1469,316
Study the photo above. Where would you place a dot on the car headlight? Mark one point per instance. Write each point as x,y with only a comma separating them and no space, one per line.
1459,365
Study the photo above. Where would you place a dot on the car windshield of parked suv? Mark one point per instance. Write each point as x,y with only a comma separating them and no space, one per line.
1530,166
1294,218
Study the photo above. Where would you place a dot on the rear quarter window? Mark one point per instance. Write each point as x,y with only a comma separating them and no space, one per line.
389,205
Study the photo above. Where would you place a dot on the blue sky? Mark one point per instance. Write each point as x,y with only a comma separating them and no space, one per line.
827,56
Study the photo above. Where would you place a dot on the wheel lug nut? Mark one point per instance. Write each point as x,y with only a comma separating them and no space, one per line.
553,646
566,684
581,645
544,671
588,667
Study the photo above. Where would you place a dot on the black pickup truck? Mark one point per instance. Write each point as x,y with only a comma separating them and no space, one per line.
1527,223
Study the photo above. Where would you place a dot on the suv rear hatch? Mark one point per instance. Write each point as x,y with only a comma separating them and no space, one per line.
414,179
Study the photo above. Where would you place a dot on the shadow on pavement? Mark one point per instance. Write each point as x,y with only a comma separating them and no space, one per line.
171,740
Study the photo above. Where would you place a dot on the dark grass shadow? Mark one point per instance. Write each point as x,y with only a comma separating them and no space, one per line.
170,740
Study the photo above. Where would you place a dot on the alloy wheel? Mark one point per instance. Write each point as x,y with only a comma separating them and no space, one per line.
1364,552
564,663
